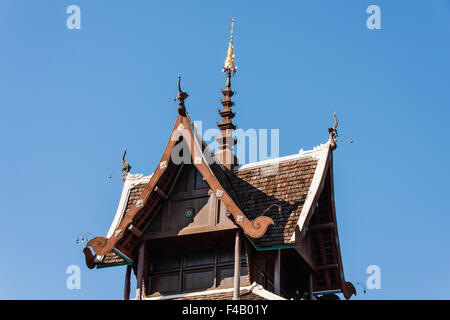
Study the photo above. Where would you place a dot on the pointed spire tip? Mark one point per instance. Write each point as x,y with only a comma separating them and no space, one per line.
229,65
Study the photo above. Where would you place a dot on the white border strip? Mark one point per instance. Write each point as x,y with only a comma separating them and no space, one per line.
260,291
254,288
302,154
131,181
319,173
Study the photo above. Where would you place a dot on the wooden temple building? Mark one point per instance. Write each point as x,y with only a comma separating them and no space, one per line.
209,228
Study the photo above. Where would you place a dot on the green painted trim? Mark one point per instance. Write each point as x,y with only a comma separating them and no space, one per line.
327,292
283,246
103,266
286,246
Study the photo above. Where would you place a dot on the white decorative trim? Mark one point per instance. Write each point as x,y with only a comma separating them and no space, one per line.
219,193
321,153
254,288
180,127
131,180
315,153
240,219
162,164
136,177
191,294
205,153
260,291
197,160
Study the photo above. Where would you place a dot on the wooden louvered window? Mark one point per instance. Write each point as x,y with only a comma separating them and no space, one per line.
193,270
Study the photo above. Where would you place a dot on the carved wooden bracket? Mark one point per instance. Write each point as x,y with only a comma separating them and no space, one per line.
89,257
348,289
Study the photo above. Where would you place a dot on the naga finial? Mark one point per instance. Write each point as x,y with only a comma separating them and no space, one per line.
333,133
181,96
125,165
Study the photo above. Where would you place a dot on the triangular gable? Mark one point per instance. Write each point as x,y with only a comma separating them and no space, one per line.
297,185
150,198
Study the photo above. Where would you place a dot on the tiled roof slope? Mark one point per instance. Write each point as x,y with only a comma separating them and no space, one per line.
287,185
111,258
257,188
135,193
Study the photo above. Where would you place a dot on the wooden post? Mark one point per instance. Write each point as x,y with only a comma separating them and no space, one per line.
311,286
237,266
140,272
126,289
138,233
277,271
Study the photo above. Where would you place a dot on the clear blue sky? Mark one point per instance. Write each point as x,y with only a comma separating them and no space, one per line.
70,100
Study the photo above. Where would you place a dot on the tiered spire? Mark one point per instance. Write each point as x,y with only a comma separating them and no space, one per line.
226,140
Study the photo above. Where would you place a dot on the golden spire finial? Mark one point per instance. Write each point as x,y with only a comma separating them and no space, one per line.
229,60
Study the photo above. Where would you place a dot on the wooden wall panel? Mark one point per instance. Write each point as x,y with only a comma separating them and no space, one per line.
193,268
225,277
189,191
165,283
203,279
196,258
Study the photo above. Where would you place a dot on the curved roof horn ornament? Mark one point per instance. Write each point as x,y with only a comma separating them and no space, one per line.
333,133
125,165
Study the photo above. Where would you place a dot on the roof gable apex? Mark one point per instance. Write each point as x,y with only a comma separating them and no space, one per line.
203,161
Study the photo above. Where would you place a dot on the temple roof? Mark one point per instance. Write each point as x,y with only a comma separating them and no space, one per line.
272,201
290,182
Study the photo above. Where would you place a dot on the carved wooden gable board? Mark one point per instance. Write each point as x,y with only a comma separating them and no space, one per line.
191,207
